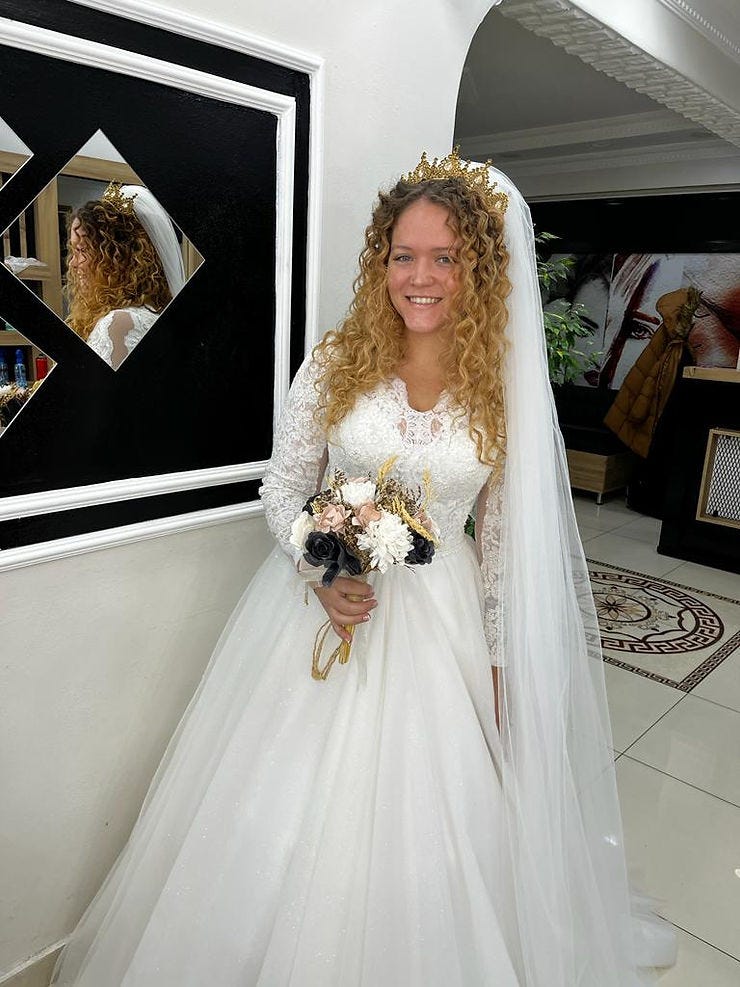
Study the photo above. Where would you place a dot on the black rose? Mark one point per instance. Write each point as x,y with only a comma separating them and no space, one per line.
421,551
325,549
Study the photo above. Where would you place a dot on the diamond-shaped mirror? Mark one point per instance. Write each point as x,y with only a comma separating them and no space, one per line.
13,155
23,369
101,251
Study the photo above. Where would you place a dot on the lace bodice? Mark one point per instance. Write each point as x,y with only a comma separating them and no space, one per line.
382,424
130,323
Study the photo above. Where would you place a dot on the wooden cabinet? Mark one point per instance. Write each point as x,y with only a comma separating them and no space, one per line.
707,404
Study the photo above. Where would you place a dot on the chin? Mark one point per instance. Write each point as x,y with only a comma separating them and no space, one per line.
423,322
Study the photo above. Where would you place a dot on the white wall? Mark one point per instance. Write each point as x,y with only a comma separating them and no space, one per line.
101,652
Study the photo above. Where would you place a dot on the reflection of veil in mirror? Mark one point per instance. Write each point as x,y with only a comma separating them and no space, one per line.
124,268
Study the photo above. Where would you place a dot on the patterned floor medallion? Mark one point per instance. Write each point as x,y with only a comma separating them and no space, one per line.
671,633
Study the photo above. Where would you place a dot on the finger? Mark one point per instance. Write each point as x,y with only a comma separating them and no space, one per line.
340,631
352,586
344,610
347,605
347,618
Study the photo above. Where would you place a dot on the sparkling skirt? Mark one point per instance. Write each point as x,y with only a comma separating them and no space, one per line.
338,833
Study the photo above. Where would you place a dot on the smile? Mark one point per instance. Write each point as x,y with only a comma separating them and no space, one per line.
421,300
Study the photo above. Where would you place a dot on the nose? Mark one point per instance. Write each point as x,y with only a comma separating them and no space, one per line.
423,272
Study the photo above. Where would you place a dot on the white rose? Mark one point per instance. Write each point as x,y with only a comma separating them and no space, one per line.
388,541
357,492
302,527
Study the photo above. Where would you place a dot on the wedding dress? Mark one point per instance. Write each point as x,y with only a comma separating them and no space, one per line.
347,832
130,325
375,829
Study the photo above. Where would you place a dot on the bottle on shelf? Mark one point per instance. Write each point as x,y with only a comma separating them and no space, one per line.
20,369
42,366
4,379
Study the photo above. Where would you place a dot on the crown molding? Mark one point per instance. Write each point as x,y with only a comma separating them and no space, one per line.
582,35
629,125
95,541
625,157
704,26
113,491
209,30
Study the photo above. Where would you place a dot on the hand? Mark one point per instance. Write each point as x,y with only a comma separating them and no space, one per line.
347,601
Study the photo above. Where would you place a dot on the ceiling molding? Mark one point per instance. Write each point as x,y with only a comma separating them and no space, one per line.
625,157
578,33
629,125
705,27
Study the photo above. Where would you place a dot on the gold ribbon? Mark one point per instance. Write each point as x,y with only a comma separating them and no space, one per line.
340,653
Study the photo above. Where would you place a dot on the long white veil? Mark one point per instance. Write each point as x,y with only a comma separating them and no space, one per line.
161,231
577,925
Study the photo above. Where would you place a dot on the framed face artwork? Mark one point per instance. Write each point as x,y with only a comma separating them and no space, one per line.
154,213
631,261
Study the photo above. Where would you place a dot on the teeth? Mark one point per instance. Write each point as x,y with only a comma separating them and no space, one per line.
417,300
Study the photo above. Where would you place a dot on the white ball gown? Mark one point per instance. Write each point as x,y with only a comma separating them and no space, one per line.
345,832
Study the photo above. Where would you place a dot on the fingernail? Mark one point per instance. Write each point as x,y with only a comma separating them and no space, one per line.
366,617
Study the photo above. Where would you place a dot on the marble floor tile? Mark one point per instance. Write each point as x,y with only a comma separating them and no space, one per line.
604,518
697,742
635,703
700,965
586,532
630,554
643,528
710,580
723,684
683,847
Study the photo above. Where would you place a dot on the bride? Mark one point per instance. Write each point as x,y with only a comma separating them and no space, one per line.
124,267
411,821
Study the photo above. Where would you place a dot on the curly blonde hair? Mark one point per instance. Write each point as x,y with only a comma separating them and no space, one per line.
368,347
124,269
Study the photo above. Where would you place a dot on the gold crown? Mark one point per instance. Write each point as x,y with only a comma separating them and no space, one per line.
453,166
114,195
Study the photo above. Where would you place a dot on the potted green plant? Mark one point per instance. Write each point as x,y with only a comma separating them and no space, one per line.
565,322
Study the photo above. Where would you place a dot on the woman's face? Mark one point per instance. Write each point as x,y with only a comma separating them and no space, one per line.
79,250
423,269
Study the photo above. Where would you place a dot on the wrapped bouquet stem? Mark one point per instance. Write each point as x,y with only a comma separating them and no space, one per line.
359,525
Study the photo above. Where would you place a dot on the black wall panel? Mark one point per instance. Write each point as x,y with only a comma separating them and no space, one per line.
198,390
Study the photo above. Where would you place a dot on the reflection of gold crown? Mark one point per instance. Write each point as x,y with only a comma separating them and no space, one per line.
453,166
114,195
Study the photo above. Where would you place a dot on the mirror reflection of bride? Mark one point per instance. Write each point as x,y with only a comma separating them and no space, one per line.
124,267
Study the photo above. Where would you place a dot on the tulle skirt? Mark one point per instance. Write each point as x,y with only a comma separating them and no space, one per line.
338,833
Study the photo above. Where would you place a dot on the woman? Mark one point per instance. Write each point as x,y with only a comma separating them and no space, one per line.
375,828
124,267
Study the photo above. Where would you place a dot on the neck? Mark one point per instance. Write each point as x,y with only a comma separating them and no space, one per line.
423,350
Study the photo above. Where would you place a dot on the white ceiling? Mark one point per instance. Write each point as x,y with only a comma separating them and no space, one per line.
717,20
559,126
514,79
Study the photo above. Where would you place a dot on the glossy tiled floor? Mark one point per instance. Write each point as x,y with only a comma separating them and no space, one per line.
678,768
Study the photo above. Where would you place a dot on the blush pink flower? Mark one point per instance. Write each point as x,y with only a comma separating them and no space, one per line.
366,513
332,518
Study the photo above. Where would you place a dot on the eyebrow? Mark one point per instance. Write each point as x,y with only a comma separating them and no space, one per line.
402,246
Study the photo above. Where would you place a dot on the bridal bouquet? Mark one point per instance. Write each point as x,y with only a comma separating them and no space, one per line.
362,524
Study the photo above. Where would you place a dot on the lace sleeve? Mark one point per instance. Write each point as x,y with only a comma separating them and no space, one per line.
298,459
488,546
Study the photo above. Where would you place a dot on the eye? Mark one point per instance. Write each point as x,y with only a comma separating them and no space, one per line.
401,257
445,260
